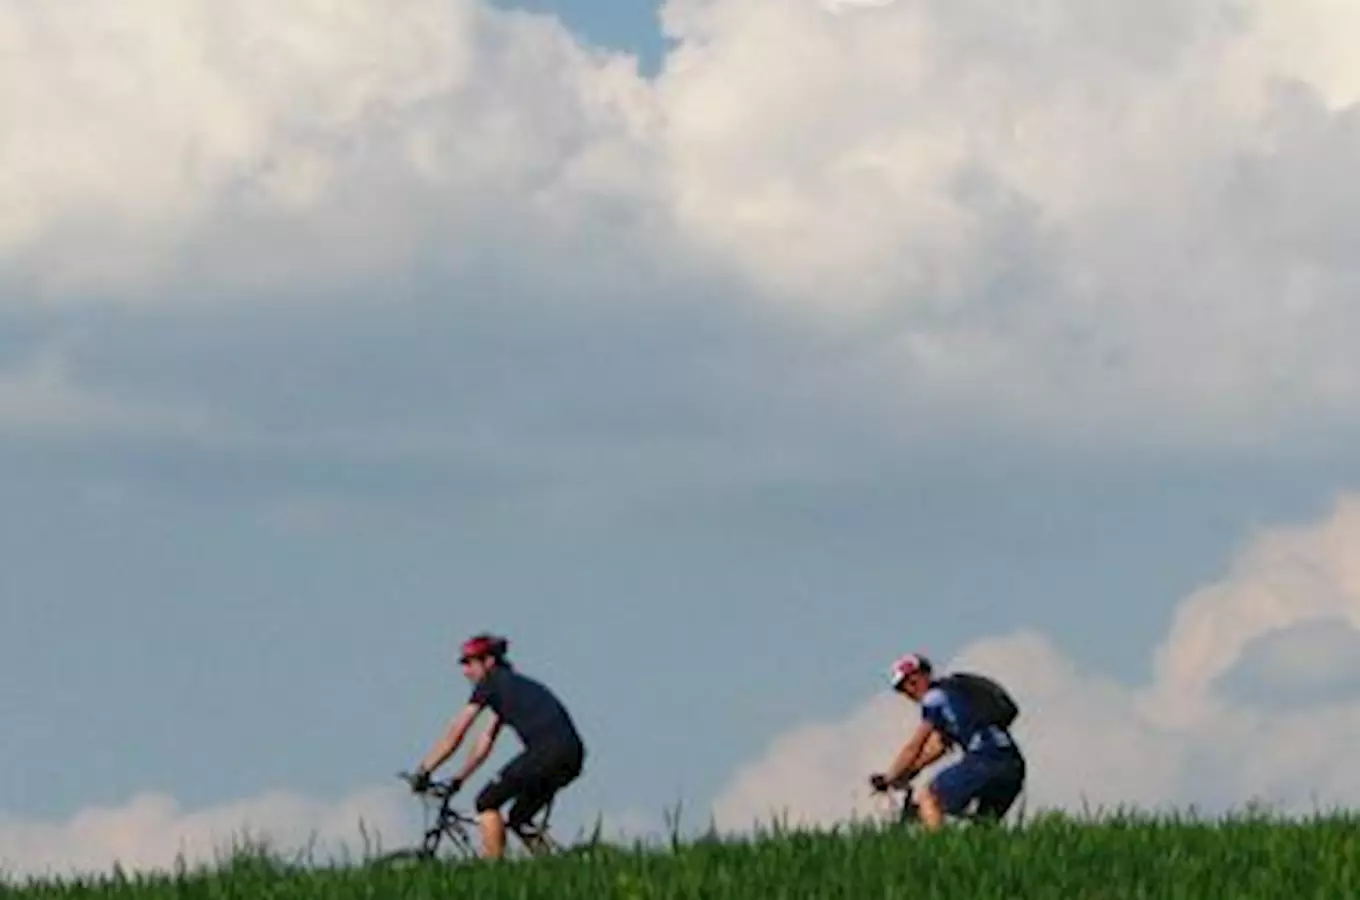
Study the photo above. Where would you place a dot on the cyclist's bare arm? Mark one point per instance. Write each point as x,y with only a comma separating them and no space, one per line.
482,749
924,747
936,746
452,739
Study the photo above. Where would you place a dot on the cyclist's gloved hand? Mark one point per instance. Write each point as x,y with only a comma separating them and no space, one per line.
455,785
879,782
420,781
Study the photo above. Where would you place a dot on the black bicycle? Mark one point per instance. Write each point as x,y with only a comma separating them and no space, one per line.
449,832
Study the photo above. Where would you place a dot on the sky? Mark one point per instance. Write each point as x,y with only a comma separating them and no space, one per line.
717,354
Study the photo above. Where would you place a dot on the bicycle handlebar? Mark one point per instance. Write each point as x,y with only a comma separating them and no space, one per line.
437,789
902,783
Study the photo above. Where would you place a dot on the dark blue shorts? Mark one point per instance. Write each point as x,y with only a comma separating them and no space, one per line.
994,781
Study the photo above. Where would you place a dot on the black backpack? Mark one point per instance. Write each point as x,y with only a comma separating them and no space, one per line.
993,705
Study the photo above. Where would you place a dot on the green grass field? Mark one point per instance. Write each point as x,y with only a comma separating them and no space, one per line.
1059,858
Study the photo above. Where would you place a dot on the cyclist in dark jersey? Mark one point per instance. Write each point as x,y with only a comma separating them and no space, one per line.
553,754
992,770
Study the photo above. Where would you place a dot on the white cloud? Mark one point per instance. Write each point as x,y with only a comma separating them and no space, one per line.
1179,740
1077,216
153,128
840,6
1126,221
151,831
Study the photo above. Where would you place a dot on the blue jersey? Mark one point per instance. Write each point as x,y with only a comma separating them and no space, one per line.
949,712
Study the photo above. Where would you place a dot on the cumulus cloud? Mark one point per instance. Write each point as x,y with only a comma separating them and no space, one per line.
1184,738
1111,222
152,832
1081,213
1126,221
160,137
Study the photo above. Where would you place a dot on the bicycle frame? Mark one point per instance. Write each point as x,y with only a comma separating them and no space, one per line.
447,823
458,827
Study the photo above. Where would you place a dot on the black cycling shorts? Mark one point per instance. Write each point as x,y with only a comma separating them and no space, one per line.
532,779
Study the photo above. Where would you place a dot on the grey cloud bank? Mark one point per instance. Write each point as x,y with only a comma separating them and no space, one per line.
1025,221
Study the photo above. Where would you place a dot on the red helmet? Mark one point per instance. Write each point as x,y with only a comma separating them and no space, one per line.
483,645
908,665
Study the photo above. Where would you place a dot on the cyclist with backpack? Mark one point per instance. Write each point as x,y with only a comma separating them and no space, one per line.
963,710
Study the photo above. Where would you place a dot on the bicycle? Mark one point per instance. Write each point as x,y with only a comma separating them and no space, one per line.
457,828
909,814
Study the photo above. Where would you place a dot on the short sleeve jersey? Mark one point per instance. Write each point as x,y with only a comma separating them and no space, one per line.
531,710
948,711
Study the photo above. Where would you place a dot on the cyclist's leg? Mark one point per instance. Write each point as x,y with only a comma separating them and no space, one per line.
1000,793
557,770
506,786
953,789
528,804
